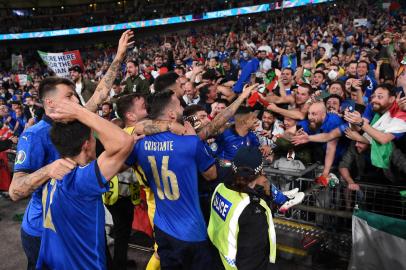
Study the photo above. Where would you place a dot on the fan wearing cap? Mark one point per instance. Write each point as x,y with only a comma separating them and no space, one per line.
241,225
83,87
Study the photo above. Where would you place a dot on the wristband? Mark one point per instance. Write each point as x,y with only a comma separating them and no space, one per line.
360,124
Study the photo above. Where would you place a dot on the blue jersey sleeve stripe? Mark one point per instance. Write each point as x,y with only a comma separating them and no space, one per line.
23,170
211,164
98,175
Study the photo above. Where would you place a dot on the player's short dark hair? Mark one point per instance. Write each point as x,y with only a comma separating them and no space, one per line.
242,110
69,138
158,102
125,103
163,81
192,110
48,85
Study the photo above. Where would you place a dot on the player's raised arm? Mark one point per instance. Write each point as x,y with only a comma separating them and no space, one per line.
103,88
117,143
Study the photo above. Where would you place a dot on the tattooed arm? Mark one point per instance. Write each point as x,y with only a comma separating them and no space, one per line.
150,127
103,88
24,184
221,119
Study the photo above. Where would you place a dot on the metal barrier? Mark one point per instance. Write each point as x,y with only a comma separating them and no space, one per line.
323,221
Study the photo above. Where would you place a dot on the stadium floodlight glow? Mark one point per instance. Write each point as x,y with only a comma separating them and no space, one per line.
163,21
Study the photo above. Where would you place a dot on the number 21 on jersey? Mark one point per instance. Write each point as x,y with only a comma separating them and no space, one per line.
169,181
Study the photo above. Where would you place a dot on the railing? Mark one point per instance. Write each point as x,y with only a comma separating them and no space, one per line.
323,220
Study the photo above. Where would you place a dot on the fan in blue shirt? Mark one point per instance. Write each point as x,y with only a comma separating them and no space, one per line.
319,121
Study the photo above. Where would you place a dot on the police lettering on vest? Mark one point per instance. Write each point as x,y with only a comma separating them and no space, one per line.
221,205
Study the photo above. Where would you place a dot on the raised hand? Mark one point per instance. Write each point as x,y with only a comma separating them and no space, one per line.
248,89
65,111
402,103
301,137
124,43
353,135
353,117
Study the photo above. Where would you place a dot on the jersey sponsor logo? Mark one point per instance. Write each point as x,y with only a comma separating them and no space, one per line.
20,157
221,205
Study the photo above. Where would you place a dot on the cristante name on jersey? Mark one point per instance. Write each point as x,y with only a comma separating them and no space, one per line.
158,146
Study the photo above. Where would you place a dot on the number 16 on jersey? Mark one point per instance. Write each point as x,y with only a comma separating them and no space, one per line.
169,179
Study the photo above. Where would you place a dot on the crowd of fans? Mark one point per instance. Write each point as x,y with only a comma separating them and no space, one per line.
20,20
337,62
318,89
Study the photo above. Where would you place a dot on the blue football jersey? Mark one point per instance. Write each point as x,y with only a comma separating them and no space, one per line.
171,164
229,142
34,151
73,236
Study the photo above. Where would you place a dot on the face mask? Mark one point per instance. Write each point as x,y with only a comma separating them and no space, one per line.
302,47
276,50
332,75
245,55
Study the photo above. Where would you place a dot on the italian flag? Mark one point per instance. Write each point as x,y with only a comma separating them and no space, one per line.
270,80
392,121
378,242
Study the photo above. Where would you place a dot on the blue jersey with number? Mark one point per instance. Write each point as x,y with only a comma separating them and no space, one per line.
34,151
171,163
73,236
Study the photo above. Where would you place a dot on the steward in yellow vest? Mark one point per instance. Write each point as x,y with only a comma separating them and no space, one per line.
241,225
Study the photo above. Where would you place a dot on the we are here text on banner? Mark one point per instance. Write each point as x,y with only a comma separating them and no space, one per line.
61,62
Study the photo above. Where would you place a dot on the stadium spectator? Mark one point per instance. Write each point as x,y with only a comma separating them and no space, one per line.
135,82
83,87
